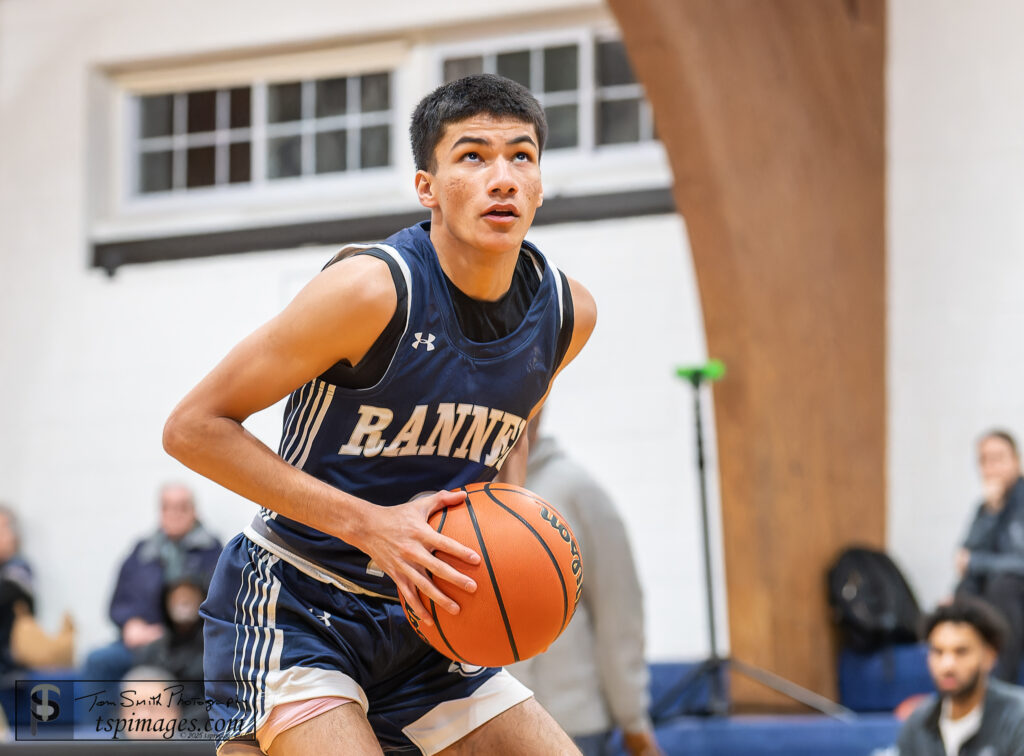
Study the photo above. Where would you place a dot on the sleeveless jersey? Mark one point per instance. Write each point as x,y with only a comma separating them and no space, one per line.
446,412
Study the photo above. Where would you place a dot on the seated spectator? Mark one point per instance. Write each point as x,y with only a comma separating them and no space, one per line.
180,548
16,590
594,677
991,562
179,650
972,714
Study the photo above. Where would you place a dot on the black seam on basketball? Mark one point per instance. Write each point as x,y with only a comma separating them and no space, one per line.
551,555
494,581
433,606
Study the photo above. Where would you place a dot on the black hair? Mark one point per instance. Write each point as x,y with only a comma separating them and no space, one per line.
467,97
982,616
1002,435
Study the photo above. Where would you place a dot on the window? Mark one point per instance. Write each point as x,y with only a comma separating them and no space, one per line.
262,132
568,78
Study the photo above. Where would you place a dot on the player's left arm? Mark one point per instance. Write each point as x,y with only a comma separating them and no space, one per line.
584,319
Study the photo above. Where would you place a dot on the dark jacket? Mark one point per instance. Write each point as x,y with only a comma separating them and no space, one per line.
1001,732
996,541
143,575
15,585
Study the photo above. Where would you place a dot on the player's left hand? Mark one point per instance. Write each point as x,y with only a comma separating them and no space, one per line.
402,544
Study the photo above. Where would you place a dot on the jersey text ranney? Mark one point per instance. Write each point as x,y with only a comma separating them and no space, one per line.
460,431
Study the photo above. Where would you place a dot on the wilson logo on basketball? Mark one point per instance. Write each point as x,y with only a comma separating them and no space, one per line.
577,565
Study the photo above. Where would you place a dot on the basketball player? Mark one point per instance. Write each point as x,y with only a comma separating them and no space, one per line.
412,367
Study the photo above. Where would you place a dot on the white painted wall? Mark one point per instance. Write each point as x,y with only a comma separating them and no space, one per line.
956,265
93,365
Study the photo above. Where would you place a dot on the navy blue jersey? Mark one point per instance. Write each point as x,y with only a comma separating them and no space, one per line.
446,412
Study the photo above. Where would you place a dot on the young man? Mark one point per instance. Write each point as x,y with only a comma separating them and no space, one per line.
973,714
413,366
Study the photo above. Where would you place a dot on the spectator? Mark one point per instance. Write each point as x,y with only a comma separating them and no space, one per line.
972,714
16,590
180,548
179,650
991,562
594,677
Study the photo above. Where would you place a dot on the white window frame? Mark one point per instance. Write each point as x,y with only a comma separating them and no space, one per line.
587,168
257,73
586,95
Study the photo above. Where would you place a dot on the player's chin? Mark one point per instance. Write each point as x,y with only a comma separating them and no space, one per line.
501,240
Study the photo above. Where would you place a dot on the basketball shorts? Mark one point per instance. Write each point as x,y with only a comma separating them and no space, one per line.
275,635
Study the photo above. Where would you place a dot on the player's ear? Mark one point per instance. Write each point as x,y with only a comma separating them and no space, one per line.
425,189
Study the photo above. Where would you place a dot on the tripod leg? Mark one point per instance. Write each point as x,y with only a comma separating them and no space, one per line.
794,691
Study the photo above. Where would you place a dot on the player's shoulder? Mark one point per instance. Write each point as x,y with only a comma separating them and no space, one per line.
584,306
365,278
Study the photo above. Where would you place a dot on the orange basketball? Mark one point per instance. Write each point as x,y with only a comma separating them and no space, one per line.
528,580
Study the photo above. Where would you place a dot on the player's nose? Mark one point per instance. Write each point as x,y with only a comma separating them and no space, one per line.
501,178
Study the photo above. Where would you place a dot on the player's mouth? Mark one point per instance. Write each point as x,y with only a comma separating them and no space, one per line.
501,214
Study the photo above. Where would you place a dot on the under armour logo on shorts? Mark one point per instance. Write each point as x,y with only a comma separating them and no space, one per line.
429,341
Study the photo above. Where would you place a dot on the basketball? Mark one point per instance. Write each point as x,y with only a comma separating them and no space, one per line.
528,580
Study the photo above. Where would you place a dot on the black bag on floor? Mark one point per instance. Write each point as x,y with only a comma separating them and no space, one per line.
871,601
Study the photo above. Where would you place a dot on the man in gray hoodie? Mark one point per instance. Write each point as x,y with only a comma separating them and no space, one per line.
594,677
973,714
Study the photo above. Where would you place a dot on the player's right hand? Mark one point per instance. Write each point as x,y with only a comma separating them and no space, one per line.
402,544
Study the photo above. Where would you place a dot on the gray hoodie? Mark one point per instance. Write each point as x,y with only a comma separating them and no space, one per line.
594,677
1001,732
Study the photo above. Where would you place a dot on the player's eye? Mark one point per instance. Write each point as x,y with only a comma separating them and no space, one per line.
472,156
523,156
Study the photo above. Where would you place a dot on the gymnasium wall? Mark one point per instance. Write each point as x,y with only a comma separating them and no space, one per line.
956,266
92,365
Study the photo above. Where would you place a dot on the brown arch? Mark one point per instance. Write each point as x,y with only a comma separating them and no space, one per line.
773,115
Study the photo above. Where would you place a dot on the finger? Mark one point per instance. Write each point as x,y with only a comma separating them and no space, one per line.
432,592
449,498
441,570
415,606
458,550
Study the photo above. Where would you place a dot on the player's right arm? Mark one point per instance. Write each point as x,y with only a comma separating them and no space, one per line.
338,315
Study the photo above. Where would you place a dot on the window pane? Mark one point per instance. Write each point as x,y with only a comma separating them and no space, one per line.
613,65
157,113
618,121
284,102
331,151
155,172
202,111
284,157
456,68
374,150
241,107
331,97
201,167
239,160
375,93
562,126
515,66
561,68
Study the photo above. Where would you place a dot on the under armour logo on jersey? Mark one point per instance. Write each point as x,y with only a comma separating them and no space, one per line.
429,341
325,617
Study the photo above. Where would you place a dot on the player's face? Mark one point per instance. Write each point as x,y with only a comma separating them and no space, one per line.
485,187
958,658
